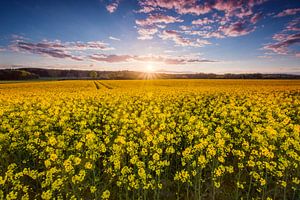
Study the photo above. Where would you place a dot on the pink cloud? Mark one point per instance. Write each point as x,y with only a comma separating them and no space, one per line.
185,28
180,6
293,25
279,36
51,50
58,49
255,18
156,19
146,9
288,12
202,21
146,33
283,43
93,45
196,10
243,6
231,18
112,7
205,33
181,41
236,29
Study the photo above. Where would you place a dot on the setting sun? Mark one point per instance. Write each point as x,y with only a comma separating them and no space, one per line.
150,67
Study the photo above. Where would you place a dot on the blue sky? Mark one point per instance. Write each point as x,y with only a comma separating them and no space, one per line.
218,36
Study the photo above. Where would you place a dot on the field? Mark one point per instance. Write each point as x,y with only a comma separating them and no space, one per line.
151,139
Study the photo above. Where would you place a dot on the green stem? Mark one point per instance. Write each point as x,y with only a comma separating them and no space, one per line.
249,188
199,185
237,188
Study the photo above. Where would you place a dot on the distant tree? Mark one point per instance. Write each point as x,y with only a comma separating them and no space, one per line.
93,74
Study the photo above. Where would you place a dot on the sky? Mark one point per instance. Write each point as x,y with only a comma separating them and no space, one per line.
209,36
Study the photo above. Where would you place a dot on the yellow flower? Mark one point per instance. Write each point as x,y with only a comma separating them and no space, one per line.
47,195
77,161
262,182
53,156
156,157
217,184
93,189
283,184
221,159
105,194
47,163
52,141
68,165
88,165
201,160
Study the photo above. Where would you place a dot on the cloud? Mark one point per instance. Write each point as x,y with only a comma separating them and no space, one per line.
50,50
181,41
17,37
287,12
114,38
134,58
239,8
206,34
293,25
156,19
265,57
195,7
146,9
180,6
185,28
110,58
93,45
283,43
255,18
202,21
229,18
58,49
113,6
236,29
283,40
146,33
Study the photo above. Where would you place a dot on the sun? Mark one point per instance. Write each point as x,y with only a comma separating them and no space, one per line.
150,67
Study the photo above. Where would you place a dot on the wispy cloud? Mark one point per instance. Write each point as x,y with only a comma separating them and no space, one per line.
134,58
180,6
180,40
287,12
157,19
283,44
51,50
283,40
202,21
114,38
255,18
113,6
58,49
237,29
146,33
